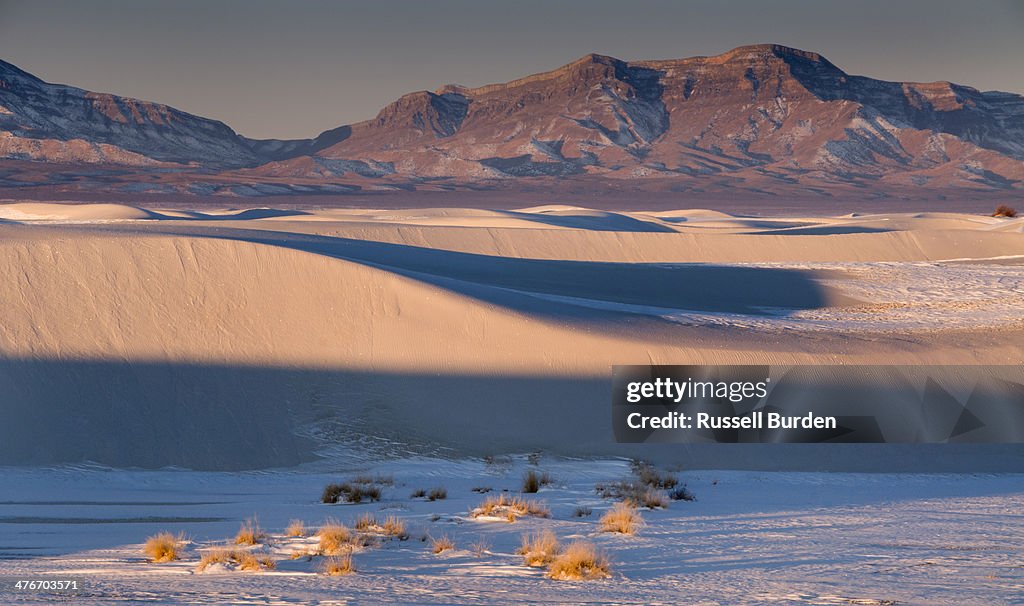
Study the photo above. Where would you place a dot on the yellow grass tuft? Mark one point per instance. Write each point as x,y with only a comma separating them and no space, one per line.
579,562
250,533
540,548
393,527
511,508
440,545
163,547
338,566
245,560
622,518
366,522
335,538
296,528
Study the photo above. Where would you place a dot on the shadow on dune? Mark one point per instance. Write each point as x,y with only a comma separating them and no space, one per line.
232,417
824,230
692,286
596,221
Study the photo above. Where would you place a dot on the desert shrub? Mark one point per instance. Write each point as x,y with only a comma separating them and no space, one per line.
295,528
622,518
482,489
1005,211
540,548
682,493
244,560
650,476
437,494
511,508
350,492
531,481
579,561
393,527
250,533
378,479
582,512
334,538
480,548
419,493
366,522
338,565
636,492
163,547
440,545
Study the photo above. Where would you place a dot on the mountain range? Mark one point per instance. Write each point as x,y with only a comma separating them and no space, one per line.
764,119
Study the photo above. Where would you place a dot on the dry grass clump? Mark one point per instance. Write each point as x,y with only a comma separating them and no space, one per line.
579,562
366,522
250,533
334,538
437,494
163,547
650,476
511,508
336,566
393,527
1005,211
244,560
533,481
638,493
295,528
419,493
441,545
582,511
540,548
350,492
480,548
682,493
377,479
622,518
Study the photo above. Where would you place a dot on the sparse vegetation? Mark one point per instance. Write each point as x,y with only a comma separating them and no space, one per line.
295,528
650,476
622,518
582,512
682,493
531,481
480,548
441,545
437,494
350,492
250,533
240,558
540,548
1005,211
482,489
335,566
163,547
419,493
334,538
639,494
366,522
511,508
579,561
393,527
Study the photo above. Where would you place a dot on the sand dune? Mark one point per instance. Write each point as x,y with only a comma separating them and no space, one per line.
255,338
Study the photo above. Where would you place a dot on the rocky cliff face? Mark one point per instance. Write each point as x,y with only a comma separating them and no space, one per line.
759,118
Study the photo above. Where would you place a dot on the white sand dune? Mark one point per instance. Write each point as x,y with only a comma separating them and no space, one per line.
247,339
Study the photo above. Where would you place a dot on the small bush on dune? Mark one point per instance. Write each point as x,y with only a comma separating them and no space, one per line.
636,492
622,518
350,493
244,560
531,482
393,527
366,522
437,494
419,493
335,566
582,512
295,528
480,548
334,538
1005,211
440,545
511,508
579,561
682,493
163,547
652,477
539,549
250,533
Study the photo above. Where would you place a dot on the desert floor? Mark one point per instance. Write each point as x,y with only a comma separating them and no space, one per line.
269,351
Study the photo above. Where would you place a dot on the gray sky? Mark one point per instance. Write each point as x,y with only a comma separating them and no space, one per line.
294,69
